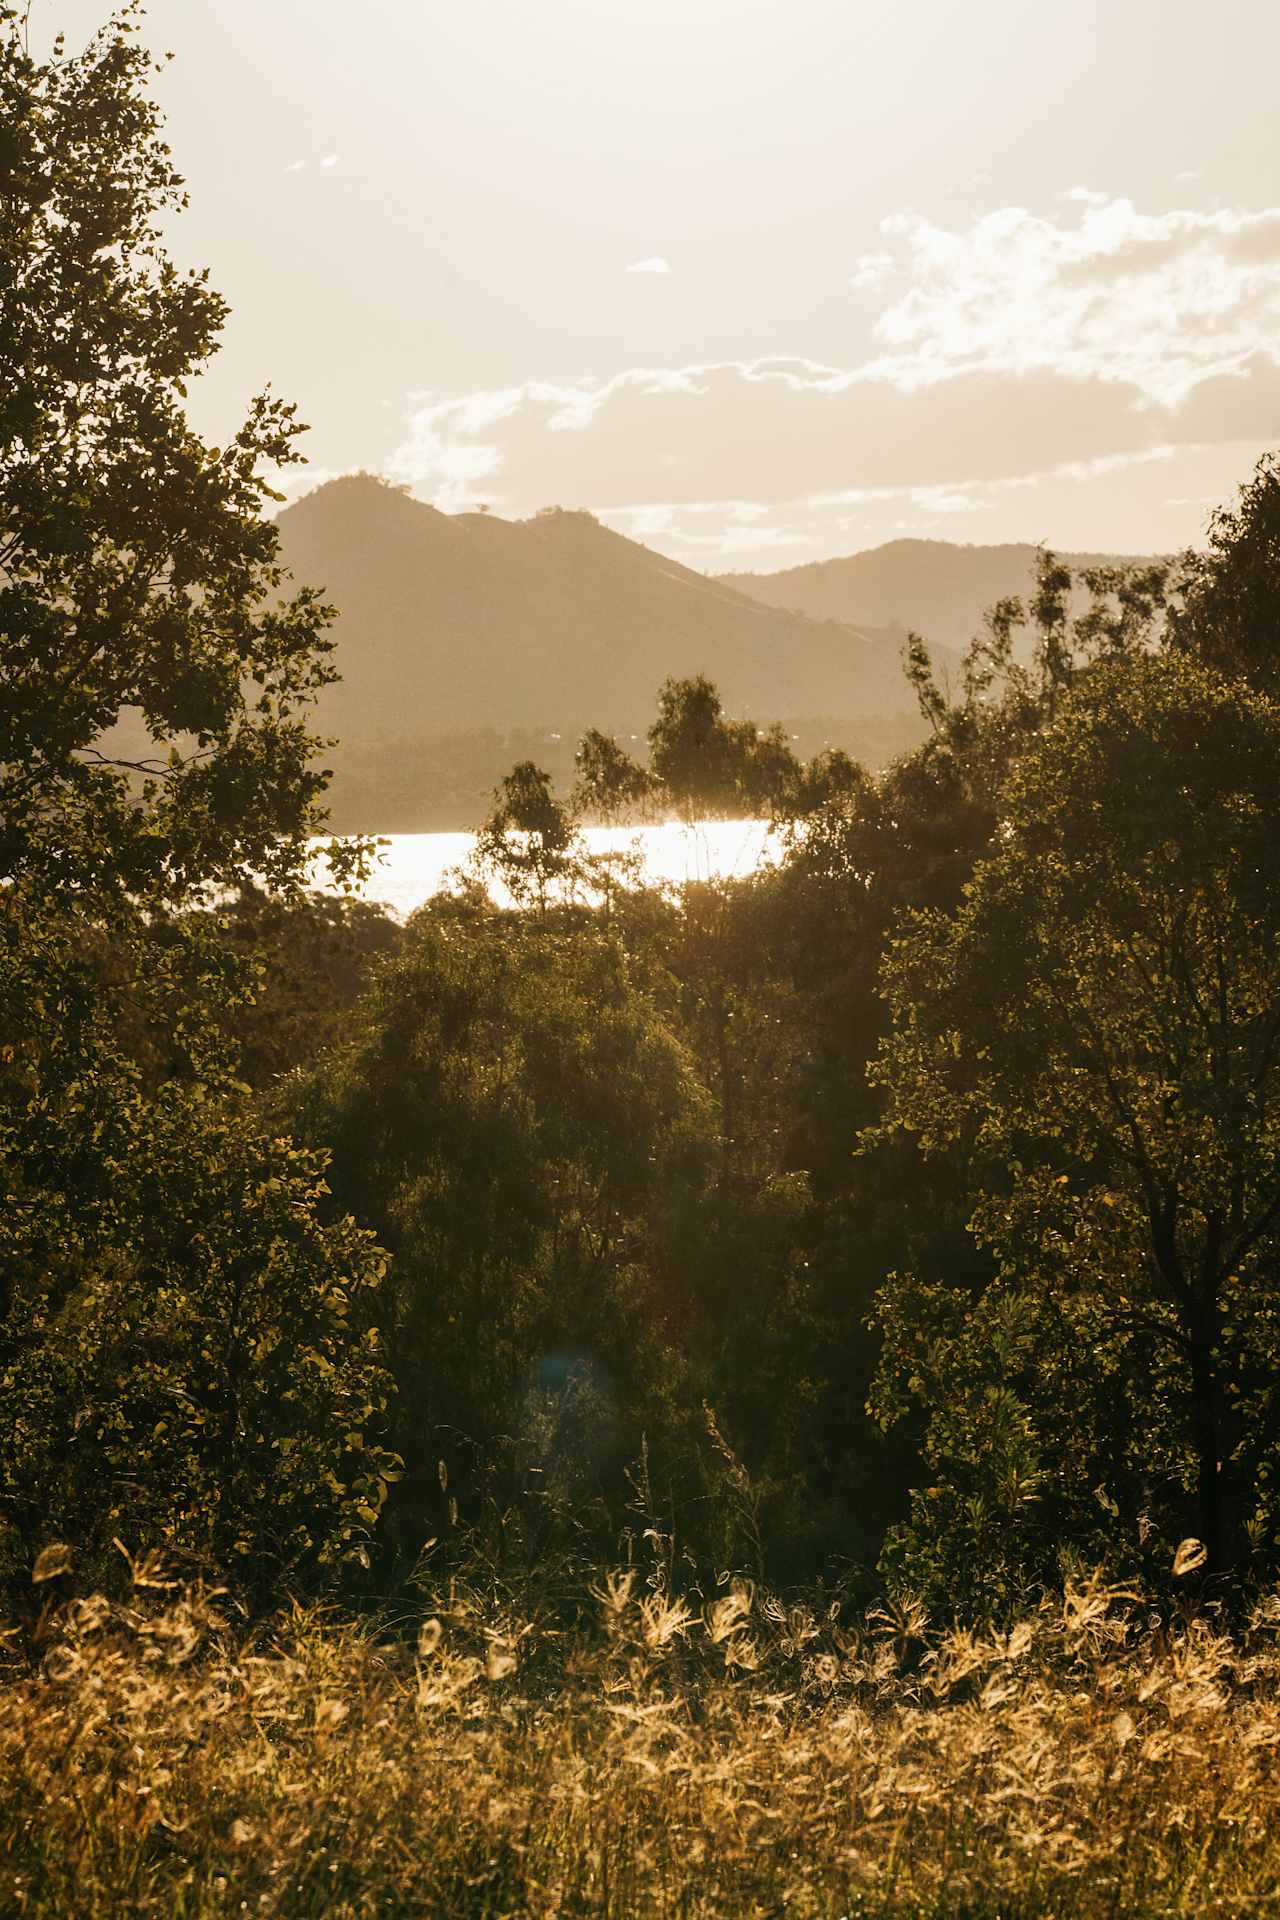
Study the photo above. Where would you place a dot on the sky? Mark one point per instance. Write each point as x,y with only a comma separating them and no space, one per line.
758,282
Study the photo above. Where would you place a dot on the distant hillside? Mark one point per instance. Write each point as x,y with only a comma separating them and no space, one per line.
939,589
463,636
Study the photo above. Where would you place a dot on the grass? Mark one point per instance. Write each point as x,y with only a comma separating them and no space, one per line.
742,1758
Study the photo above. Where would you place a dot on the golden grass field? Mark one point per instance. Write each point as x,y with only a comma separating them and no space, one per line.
740,1758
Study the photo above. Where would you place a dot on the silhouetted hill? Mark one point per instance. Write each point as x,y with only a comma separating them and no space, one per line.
461,634
939,589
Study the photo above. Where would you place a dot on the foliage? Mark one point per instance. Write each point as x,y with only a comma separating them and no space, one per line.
185,1350
1226,616
515,1118
648,1193
609,786
309,960
205,1378
1097,1031
708,766
773,986
138,578
529,841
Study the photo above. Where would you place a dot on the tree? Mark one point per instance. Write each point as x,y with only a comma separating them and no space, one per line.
610,785
711,766
154,680
192,1363
1229,593
313,958
1096,1031
529,1138
139,580
529,841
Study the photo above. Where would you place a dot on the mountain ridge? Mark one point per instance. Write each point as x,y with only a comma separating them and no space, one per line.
939,588
469,625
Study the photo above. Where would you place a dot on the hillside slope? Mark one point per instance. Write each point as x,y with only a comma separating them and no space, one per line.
470,620
933,586
462,639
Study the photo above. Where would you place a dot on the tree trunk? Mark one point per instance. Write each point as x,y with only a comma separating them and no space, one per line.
1204,1419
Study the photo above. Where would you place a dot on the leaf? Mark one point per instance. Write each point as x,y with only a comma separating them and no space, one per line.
499,1661
50,1562
1190,1555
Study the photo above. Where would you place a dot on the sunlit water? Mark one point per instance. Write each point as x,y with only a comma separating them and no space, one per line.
414,866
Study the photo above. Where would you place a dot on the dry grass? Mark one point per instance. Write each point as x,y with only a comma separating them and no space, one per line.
739,1759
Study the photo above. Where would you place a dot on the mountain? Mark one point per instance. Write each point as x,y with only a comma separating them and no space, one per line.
939,589
465,641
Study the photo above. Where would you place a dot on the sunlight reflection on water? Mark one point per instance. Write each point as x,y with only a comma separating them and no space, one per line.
416,865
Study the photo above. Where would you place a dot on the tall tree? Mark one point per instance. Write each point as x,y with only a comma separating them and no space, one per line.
610,786
529,840
708,765
514,1114
1229,609
1096,1030
154,680
139,579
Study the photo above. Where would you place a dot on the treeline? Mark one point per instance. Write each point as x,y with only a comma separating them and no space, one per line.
907,1213
413,781
908,1208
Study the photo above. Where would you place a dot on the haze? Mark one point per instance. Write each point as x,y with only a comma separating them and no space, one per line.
756,283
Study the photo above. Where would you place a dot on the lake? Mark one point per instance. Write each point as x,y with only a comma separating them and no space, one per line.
414,866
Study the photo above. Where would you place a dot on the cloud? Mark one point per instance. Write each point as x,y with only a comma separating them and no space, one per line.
445,456
733,459
1087,505
331,160
789,428
1015,344
654,264
1157,302
733,532
1017,352
295,166
870,269
978,495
